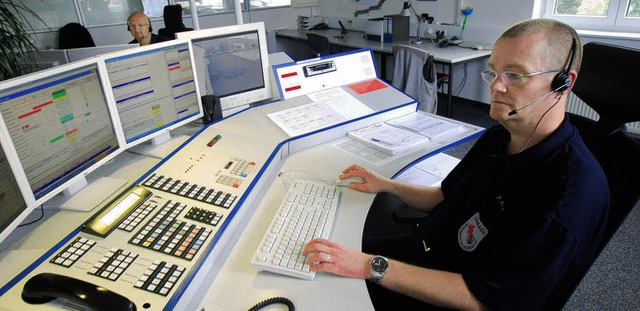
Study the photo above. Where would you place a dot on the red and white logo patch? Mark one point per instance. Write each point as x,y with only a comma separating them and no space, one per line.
471,233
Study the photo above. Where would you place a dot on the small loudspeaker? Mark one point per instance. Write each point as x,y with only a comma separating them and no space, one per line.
212,108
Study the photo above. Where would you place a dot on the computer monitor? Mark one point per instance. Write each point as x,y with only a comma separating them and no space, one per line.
232,63
13,207
155,90
59,128
84,53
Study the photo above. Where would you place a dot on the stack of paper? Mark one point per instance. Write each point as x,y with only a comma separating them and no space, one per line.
401,134
427,125
389,139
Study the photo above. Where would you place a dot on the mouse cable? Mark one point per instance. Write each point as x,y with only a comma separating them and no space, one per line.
34,221
274,300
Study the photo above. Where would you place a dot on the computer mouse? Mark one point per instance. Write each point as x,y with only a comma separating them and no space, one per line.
346,182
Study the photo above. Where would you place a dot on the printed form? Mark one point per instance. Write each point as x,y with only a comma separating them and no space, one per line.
328,107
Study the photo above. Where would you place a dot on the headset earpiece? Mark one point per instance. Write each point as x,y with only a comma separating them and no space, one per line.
562,81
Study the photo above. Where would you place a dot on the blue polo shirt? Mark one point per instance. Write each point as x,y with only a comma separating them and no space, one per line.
519,228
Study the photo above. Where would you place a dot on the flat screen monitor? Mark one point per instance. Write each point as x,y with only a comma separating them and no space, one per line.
84,53
13,207
232,63
60,128
154,89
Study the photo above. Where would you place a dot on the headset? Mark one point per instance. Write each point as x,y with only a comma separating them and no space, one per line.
562,81
148,19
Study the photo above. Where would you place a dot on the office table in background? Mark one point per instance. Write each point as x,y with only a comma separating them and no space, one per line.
448,56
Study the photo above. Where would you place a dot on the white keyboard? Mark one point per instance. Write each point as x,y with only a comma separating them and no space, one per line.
306,212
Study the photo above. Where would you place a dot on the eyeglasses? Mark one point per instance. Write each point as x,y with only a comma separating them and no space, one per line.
512,78
134,26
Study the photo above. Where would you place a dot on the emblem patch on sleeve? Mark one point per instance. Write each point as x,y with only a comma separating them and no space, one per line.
471,233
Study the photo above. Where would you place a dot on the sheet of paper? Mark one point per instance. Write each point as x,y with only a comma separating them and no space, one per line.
390,139
365,152
426,125
329,107
430,171
306,118
342,102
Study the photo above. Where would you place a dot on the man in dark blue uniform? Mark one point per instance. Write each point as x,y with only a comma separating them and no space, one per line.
518,220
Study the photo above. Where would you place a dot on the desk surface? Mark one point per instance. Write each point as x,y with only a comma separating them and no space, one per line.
449,54
222,277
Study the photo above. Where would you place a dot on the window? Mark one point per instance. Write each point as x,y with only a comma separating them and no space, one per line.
108,12
608,15
211,7
57,13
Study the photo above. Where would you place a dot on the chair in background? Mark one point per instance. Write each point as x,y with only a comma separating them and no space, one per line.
319,45
172,21
414,73
74,35
607,83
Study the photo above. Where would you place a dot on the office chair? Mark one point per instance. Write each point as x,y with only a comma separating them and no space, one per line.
74,35
319,45
607,83
414,73
172,21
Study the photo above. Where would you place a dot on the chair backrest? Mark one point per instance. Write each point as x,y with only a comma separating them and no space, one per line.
414,73
172,21
606,83
319,44
74,35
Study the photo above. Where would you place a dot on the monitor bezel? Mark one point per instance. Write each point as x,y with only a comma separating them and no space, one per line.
165,130
12,154
23,187
241,99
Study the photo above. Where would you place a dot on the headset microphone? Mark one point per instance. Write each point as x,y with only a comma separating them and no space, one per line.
514,111
560,83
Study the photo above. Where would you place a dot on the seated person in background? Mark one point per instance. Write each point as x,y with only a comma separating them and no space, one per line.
140,27
518,220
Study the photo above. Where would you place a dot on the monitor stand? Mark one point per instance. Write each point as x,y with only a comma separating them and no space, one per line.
160,146
91,196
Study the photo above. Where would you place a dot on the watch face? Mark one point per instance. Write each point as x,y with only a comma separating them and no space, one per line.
379,264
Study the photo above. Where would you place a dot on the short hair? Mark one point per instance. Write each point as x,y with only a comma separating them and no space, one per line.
559,39
138,12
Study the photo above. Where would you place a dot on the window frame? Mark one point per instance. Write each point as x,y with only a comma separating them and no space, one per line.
615,21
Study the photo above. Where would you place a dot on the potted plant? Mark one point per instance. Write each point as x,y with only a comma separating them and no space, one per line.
17,55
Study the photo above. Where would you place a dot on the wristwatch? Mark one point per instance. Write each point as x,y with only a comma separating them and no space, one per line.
379,266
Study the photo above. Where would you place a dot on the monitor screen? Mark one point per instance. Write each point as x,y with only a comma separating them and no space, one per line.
232,63
84,53
13,208
59,124
154,89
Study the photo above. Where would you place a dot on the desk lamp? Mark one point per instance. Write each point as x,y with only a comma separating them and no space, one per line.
407,10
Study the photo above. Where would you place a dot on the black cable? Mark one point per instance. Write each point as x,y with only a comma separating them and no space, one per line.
32,222
464,80
538,123
274,300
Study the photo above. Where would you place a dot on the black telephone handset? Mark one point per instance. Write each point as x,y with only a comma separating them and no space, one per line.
45,287
319,26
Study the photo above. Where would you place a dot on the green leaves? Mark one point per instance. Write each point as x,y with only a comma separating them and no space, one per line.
17,51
